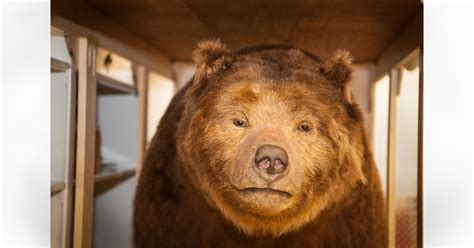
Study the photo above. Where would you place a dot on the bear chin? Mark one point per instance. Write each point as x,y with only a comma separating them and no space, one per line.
264,201
260,212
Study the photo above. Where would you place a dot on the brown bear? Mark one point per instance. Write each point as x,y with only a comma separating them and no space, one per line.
265,147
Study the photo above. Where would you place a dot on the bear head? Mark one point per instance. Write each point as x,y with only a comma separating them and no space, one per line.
270,135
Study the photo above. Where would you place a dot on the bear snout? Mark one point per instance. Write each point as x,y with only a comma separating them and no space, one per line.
271,159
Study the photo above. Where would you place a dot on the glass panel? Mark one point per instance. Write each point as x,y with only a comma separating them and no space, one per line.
380,131
118,129
406,158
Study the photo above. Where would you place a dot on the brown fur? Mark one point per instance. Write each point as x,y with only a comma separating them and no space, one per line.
190,190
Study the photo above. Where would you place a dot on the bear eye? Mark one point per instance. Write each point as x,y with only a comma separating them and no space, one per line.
239,123
304,127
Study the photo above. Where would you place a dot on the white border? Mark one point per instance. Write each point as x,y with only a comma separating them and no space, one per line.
448,173
25,127
445,225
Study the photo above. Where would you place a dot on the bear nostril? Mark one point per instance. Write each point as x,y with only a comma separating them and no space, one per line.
271,159
278,164
264,163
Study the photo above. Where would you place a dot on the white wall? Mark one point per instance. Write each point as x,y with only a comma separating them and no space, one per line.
360,88
183,72
380,110
160,92
406,130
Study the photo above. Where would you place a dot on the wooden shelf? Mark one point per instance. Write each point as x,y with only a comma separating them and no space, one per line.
109,86
59,66
107,180
57,187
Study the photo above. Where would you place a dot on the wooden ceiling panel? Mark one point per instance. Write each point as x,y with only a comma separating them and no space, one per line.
365,27
168,25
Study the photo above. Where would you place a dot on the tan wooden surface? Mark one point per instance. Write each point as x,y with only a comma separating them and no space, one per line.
142,85
56,31
56,213
401,47
391,154
107,180
57,187
58,65
107,85
364,27
79,18
85,153
71,151
419,233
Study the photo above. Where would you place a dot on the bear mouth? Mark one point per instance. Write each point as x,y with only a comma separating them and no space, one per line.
253,190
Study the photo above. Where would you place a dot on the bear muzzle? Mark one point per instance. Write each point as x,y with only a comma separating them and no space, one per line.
271,160
267,172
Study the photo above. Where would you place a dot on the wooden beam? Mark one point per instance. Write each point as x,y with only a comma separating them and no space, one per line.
57,187
107,85
107,180
71,151
407,41
85,153
56,31
391,176
58,65
419,233
142,85
76,17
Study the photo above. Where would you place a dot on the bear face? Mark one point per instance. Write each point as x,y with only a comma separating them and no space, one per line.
270,136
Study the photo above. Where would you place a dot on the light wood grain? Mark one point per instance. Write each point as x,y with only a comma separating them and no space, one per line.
85,153
56,213
174,27
107,85
391,155
401,47
57,187
142,84
71,151
56,31
58,65
419,233
79,18
107,180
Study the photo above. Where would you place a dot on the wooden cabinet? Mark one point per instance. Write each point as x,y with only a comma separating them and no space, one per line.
63,126
76,86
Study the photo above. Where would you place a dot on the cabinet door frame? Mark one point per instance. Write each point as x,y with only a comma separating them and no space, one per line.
85,52
394,90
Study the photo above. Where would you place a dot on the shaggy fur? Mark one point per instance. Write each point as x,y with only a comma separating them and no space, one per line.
193,190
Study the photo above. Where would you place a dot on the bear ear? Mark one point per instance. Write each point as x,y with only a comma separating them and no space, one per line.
339,67
211,56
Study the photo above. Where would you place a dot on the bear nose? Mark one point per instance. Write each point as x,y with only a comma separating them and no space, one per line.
271,159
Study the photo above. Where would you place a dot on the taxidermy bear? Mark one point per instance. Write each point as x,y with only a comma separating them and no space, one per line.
265,147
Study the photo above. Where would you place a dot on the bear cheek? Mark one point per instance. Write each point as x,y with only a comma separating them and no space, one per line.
218,147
